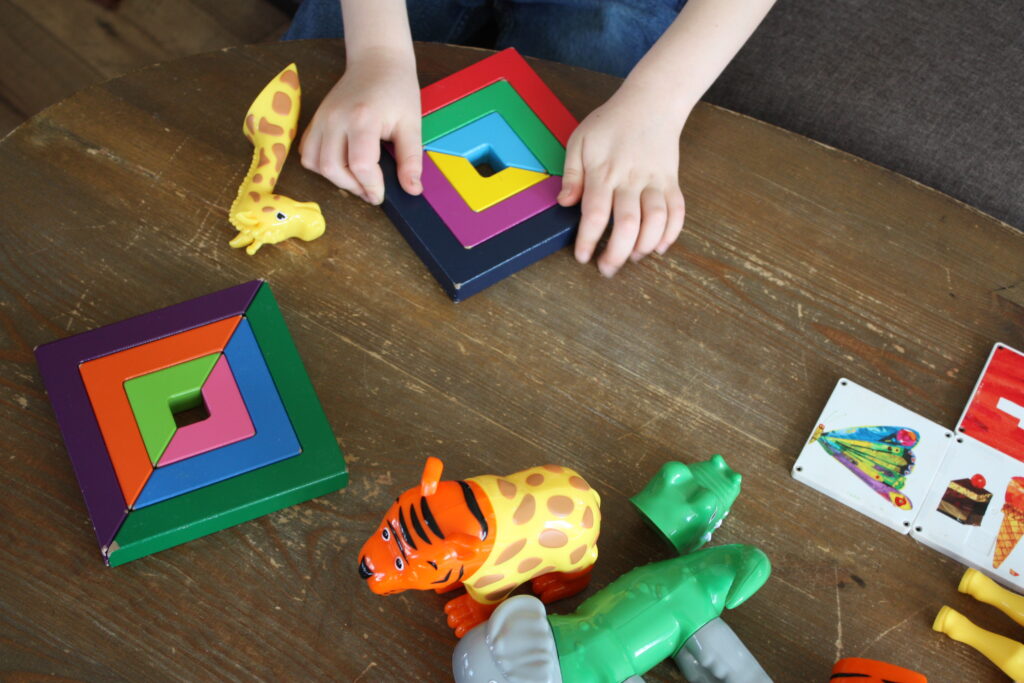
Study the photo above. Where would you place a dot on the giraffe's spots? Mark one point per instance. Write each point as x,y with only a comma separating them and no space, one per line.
552,538
488,580
258,178
524,513
578,483
272,181
499,594
535,479
280,153
267,209
554,468
269,128
255,196
251,125
291,134
511,551
546,570
577,555
588,518
290,77
282,104
560,506
507,488
264,159
528,564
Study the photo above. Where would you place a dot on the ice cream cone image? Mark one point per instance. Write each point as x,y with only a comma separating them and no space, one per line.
1012,527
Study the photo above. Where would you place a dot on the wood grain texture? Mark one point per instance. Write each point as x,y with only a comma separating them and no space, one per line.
798,264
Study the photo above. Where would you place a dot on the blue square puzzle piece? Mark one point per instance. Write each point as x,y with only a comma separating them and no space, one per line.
274,441
489,139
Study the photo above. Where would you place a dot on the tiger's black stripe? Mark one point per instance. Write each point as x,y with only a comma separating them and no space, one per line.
405,530
474,507
446,577
428,517
394,534
416,526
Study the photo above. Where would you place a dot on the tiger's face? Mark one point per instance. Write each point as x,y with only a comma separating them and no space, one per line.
432,537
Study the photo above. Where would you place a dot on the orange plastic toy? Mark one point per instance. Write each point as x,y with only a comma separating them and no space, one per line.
488,533
873,671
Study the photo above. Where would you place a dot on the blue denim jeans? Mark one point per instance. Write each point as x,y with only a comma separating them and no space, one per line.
603,35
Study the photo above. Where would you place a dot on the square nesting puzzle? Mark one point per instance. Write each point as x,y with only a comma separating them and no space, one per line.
494,140
190,419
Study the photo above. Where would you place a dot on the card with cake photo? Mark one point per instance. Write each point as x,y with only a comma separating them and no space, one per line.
995,412
975,511
873,455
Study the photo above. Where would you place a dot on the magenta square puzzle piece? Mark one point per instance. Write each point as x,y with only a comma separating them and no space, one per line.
228,422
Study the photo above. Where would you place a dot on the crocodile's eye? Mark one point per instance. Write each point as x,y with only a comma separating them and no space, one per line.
399,565
281,216
385,534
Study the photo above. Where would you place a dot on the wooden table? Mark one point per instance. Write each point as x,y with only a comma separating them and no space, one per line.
798,264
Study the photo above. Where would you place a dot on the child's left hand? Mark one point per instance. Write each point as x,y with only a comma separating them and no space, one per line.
623,160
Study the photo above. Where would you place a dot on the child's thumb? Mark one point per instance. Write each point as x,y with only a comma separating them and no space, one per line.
409,156
572,174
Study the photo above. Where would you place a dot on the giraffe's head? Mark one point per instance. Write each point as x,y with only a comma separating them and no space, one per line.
272,218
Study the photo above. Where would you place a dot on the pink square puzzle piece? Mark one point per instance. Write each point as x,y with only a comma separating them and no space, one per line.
228,423
472,228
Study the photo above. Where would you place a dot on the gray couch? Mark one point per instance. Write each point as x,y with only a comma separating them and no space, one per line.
932,89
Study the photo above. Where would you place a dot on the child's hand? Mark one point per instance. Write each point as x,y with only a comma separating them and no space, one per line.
623,160
377,99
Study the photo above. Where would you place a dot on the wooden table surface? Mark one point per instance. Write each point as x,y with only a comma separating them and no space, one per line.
798,264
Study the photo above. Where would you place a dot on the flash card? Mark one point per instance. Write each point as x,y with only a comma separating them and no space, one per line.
995,413
873,455
975,511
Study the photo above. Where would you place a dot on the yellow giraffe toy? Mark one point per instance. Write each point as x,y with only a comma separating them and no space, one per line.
260,216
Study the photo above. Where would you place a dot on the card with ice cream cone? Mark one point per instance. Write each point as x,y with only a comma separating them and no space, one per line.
873,455
975,511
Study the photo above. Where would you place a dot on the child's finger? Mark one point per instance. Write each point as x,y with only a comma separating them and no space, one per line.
333,161
624,232
309,147
364,161
676,215
409,155
572,173
654,214
597,208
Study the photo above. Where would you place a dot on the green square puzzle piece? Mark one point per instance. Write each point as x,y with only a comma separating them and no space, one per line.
156,397
317,470
502,98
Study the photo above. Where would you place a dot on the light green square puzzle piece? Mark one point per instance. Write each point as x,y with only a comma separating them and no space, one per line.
502,98
156,397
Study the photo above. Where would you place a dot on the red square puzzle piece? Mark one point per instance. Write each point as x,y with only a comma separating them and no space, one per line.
507,65
995,414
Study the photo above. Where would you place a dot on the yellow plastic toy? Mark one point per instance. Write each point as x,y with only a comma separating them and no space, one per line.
479,192
260,216
1005,653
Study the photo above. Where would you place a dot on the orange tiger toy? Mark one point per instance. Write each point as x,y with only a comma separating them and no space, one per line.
490,534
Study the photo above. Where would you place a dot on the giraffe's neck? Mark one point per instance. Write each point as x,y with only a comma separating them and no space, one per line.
262,176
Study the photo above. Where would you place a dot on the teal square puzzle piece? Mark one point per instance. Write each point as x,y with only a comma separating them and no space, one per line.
488,140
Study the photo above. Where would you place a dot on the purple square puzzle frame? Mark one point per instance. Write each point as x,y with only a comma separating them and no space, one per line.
58,365
471,227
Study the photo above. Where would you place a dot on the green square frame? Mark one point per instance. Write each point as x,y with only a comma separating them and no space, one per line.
319,469
502,98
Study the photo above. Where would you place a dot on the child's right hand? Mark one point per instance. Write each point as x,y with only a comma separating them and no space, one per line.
377,99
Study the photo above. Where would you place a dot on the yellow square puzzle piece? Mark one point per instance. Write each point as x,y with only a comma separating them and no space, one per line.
477,191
